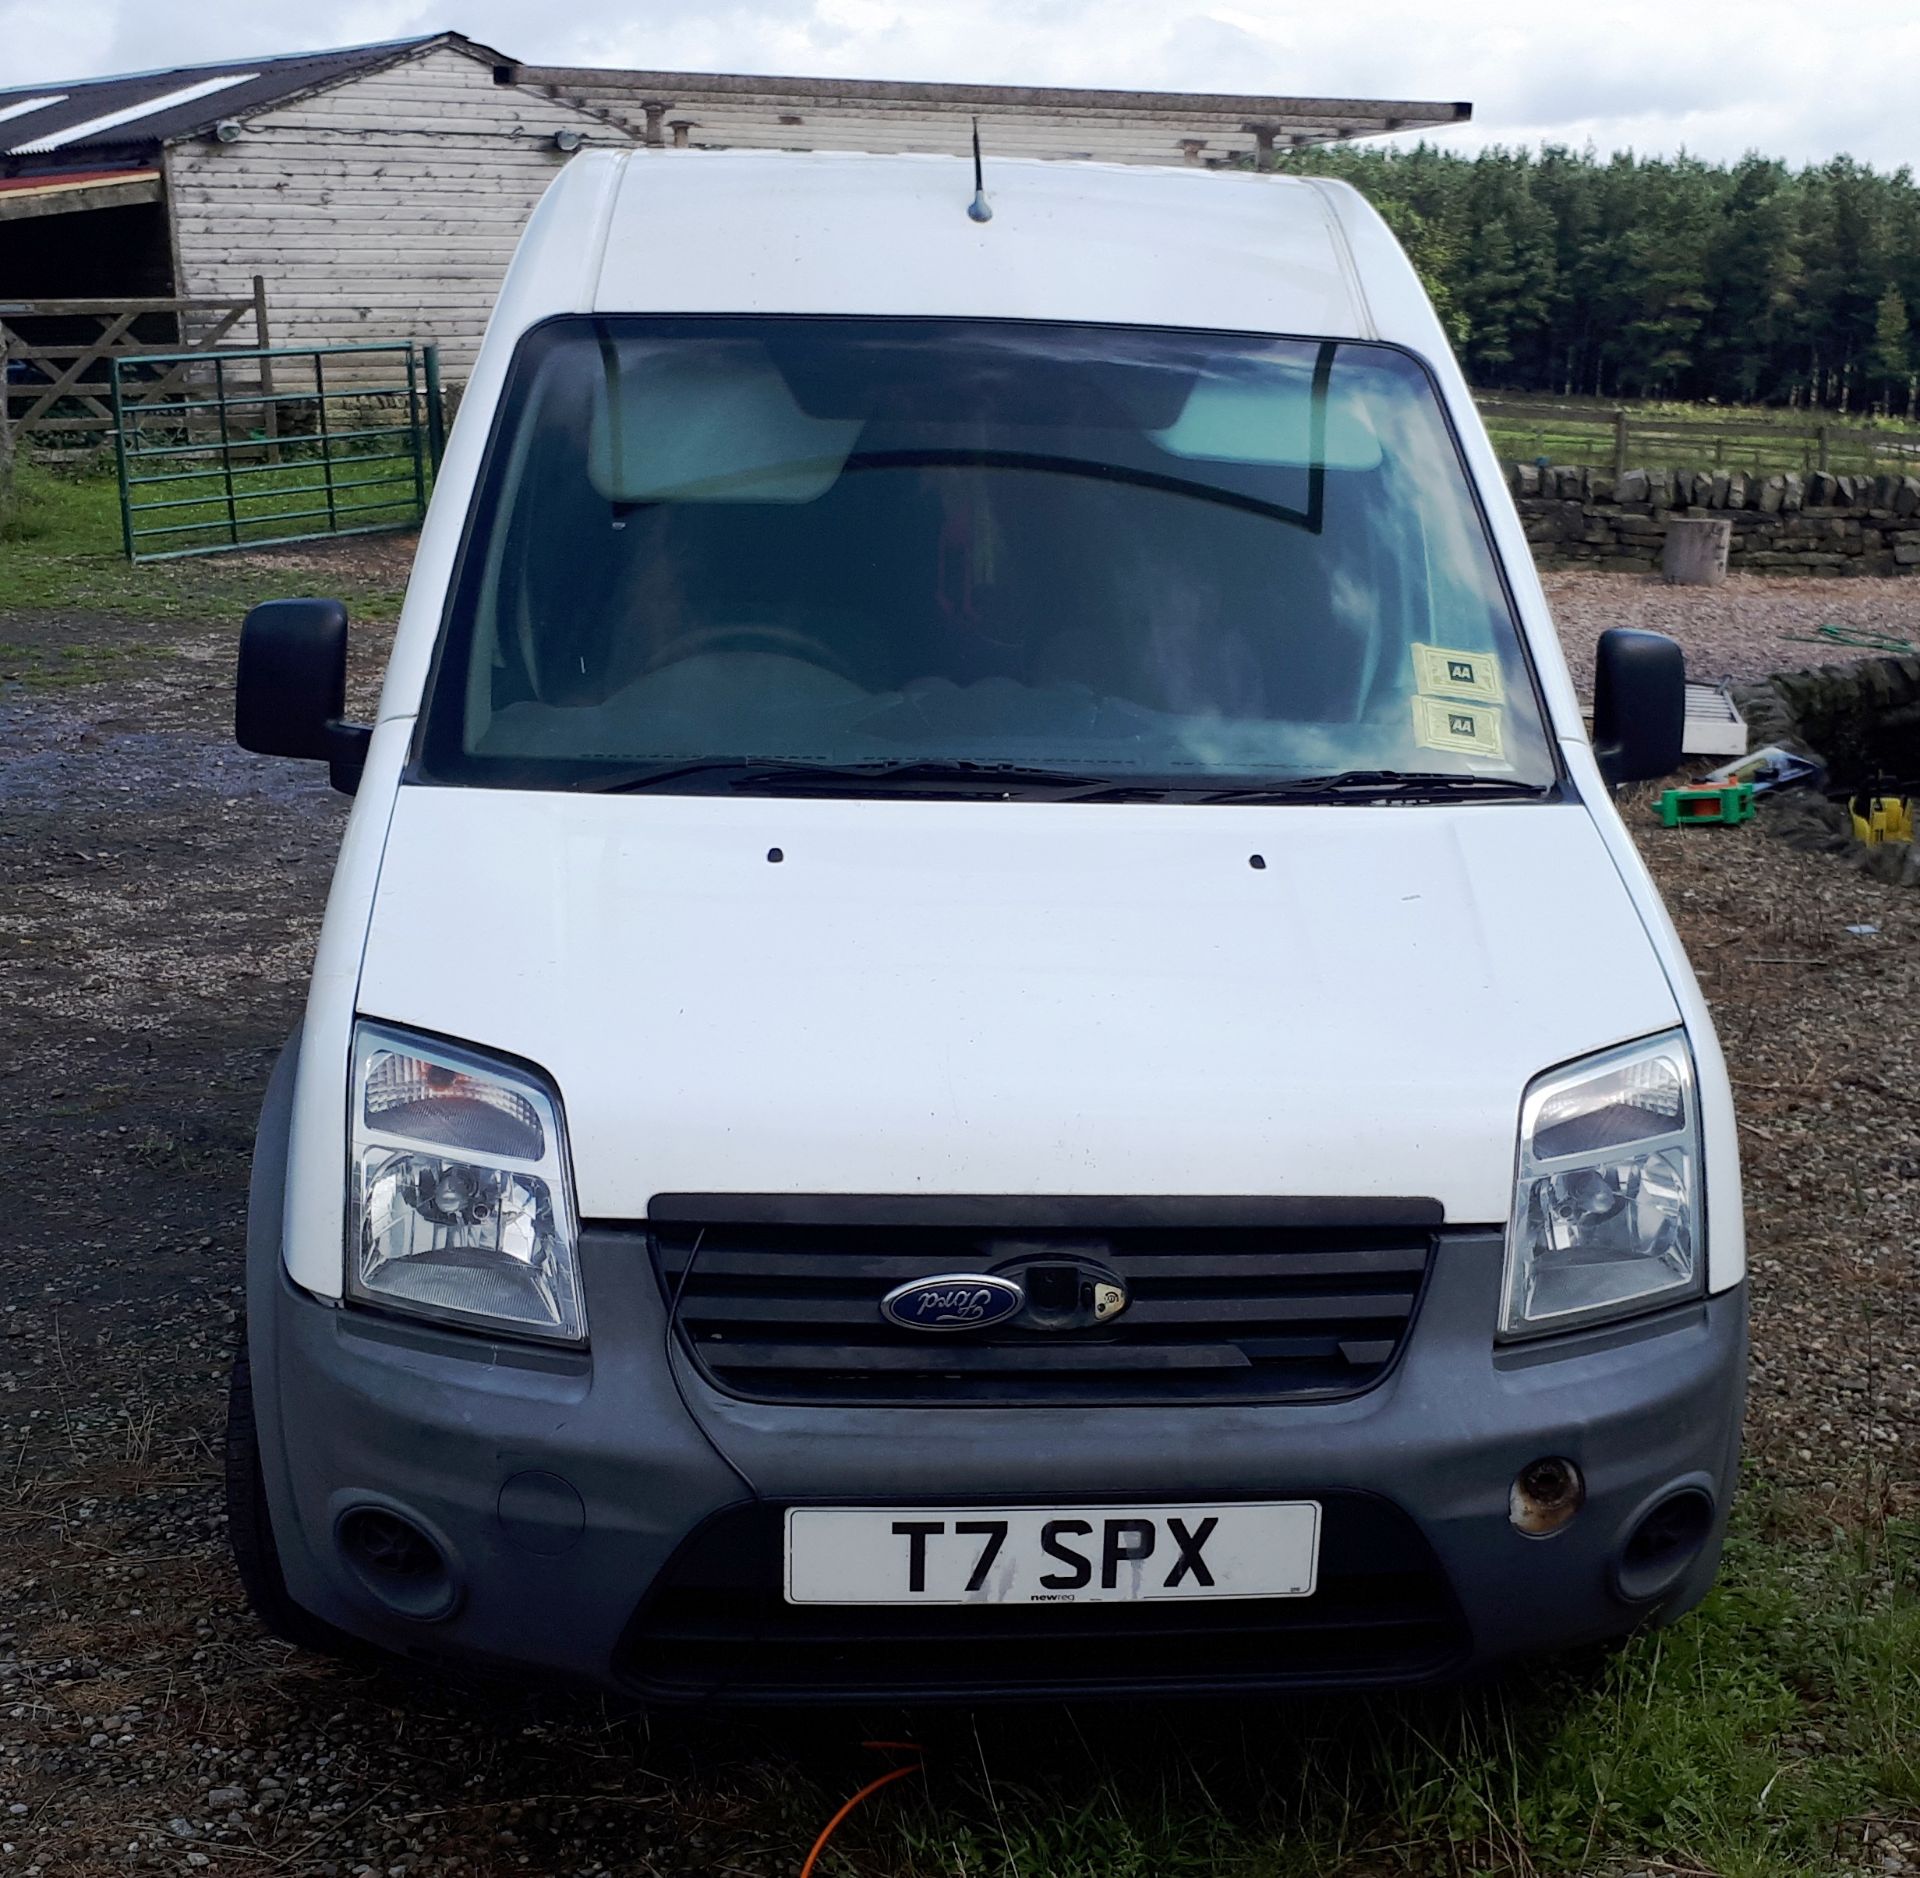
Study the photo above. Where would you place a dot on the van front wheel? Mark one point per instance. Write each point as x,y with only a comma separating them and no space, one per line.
250,1526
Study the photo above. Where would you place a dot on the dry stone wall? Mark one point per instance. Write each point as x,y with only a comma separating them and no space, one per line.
1782,524
1862,720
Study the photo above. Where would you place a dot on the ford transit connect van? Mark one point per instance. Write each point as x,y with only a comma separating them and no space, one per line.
984,1028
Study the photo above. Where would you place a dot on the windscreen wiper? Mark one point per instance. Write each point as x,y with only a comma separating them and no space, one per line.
947,775
1379,785
974,777
720,771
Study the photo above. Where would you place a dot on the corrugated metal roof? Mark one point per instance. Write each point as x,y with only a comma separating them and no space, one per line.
129,116
123,116
37,101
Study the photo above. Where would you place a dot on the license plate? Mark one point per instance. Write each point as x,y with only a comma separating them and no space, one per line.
1050,1554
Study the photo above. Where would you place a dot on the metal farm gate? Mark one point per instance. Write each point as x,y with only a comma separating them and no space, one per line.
273,444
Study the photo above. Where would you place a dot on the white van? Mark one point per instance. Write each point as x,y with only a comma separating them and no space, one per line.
984,1028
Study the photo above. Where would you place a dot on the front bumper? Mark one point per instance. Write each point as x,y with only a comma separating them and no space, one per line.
613,1518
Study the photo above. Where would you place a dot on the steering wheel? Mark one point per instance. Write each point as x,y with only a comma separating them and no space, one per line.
784,641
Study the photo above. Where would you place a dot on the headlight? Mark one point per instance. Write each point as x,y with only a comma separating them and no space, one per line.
1607,1208
460,1204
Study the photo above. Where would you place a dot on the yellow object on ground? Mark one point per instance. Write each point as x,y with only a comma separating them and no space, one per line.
1885,818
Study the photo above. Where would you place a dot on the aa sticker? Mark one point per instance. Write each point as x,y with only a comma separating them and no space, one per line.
1468,729
1439,672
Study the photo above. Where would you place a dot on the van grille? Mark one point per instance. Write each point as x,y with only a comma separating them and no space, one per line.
716,1627
791,1313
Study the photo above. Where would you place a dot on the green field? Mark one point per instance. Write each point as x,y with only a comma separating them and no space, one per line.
1755,438
186,504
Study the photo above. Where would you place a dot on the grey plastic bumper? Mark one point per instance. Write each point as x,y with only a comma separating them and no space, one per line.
558,1485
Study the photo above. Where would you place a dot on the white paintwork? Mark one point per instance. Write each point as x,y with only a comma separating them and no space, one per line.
315,1217
954,997
133,113
1726,1223
992,997
1067,241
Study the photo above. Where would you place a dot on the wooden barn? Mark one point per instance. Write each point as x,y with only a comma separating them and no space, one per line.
376,193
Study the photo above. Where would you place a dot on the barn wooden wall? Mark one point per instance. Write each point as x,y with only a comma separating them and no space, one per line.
715,112
386,208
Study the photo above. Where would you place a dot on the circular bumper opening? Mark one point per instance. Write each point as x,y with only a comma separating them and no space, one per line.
1546,1494
1665,1543
398,1561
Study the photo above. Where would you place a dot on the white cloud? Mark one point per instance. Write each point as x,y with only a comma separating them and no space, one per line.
1717,76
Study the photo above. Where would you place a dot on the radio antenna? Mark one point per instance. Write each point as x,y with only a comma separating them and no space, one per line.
980,209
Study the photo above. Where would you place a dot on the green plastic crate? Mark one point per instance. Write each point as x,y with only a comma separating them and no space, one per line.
1718,802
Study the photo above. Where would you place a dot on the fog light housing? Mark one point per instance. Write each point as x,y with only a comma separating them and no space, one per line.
1664,1544
398,1562
1545,1495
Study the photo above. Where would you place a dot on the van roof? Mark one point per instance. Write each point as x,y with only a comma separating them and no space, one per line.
845,233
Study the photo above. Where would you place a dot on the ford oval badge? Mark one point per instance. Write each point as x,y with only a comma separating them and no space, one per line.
953,1301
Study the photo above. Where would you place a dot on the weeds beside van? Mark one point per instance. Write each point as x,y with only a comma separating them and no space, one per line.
984,1027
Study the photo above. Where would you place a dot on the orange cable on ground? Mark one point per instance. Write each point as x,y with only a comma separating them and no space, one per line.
873,1786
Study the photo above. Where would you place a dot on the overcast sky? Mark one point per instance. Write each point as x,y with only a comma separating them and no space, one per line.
1716,76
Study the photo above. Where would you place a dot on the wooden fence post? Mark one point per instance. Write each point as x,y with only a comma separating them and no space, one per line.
1695,552
1620,443
270,411
1823,439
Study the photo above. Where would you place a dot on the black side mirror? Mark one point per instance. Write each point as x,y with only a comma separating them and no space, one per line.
291,688
1639,705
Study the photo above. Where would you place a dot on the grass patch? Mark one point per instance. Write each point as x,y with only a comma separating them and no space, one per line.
59,668
1754,1740
1759,439
187,501
61,551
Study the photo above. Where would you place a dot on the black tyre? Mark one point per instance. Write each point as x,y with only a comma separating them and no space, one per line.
250,1527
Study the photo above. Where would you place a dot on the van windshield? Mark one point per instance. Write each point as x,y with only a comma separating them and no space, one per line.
974,557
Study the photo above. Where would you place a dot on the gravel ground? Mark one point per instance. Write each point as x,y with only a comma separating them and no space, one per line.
1816,1023
1740,630
159,892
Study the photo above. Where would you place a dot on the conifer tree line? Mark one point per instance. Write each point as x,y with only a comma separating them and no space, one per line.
1661,277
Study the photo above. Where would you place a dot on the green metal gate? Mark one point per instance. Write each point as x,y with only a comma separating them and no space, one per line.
274,444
